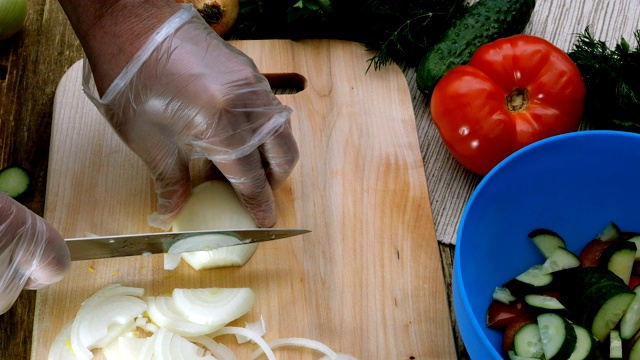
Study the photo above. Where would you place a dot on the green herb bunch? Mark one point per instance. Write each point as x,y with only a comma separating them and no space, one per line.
612,80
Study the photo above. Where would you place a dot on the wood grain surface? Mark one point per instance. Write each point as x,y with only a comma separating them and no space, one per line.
33,62
367,281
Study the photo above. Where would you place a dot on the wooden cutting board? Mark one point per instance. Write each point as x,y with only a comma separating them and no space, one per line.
367,281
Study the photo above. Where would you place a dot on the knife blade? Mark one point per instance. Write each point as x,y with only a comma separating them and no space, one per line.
100,247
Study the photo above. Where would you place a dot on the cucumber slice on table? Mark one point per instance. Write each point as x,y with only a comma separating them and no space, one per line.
14,180
546,241
557,335
527,341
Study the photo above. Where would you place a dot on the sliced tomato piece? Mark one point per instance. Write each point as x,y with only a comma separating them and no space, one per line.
499,314
634,281
591,252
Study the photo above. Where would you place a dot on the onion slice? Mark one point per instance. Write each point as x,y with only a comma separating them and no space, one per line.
171,346
212,306
164,313
218,350
61,347
232,330
103,317
298,342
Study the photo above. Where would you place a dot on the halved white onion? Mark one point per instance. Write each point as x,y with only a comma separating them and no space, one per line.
163,311
214,205
212,306
103,317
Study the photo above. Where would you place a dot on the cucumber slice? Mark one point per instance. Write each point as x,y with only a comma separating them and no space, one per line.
527,341
596,298
636,239
512,356
630,323
530,281
619,258
503,295
557,335
610,314
546,241
14,180
560,259
615,345
609,233
586,345
544,302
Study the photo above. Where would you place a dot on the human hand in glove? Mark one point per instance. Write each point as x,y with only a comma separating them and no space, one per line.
32,252
174,90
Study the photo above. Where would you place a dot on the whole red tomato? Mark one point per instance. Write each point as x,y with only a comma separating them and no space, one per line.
513,92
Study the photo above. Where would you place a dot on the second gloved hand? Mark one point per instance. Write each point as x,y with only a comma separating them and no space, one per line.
188,93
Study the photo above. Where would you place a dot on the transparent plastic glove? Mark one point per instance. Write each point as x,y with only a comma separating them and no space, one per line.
188,93
32,252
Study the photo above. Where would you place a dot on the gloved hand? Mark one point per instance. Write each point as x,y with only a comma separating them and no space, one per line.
187,93
32,252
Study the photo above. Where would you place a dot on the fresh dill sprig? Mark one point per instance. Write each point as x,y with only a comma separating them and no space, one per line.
612,80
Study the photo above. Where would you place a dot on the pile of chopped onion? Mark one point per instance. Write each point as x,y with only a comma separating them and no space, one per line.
125,325
213,205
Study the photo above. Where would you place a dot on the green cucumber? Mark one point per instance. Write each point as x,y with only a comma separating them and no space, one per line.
546,241
636,240
610,232
544,303
619,258
14,180
586,345
630,322
532,280
557,335
560,259
527,341
597,298
615,345
503,295
484,22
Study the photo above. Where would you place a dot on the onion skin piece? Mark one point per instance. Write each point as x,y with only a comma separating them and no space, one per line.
219,14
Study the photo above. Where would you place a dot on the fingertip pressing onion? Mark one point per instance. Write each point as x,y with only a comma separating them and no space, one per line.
213,205
12,16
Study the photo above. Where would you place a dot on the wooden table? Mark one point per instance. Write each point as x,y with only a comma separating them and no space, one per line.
32,63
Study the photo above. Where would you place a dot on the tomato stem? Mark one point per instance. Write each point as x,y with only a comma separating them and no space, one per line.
518,100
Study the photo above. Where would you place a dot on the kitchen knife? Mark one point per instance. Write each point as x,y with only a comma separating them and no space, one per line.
100,247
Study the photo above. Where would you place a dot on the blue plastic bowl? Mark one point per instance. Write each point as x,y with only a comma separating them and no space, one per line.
573,184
